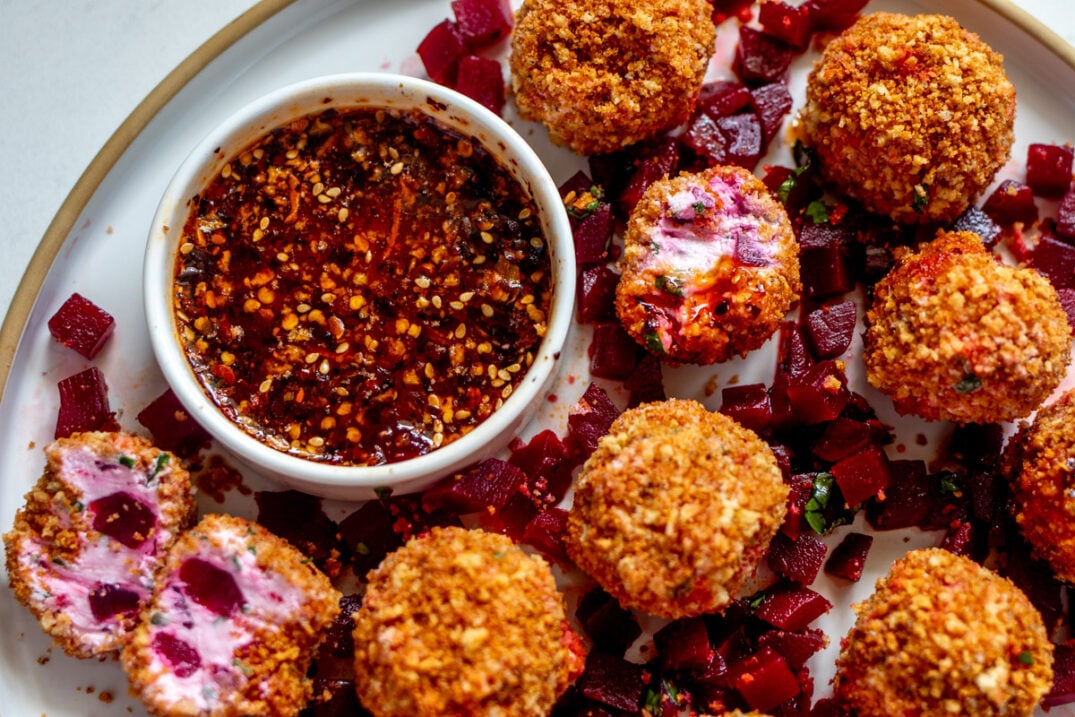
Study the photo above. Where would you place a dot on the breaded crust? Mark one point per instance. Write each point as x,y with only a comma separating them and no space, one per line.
912,115
1039,462
59,562
603,74
674,509
943,635
463,622
954,334
710,266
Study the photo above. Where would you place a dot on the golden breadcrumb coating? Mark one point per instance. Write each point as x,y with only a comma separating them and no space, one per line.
954,334
674,509
710,266
944,635
1039,462
603,74
463,622
912,115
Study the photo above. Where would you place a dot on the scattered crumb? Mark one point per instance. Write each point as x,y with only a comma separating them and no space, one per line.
217,478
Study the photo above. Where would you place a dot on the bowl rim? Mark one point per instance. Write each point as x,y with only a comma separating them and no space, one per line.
374,89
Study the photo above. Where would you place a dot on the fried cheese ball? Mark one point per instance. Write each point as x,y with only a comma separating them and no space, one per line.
674,509
710,266
85,546
232,627
954,334
911,115
463,622
1039,462
603,74
944,635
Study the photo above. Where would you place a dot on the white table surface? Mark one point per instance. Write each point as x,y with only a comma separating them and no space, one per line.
72,70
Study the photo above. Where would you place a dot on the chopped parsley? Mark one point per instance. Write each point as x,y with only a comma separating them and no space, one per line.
817,211
669,285
158,619
969,384
585,203
126,461
921,198
699,208
950,483
823,513
1026,658
362,549
653,342
383,492
162,460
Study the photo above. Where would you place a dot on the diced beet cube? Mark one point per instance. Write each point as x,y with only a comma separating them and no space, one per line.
1056,261
959,539
334,697
796,647
597,294
81,325
178,654
590,418
793,358
830,329
819,394
482,80
683,645
577,183
841,438
369,535
833,15
84,404
124,518
1065,217
771,103
613,353
1063,689
1037,581
792,607
748,404
612,627
764,680
761,58
798,560
211,587
441,50
824,261
172,427
786,22
862,475
1011,202
735,139
299,519
1067,300
512,519
107,600
911,499
658,161
1048,169
545,533
801,487
724,9
646,384
613,681
489,485
339,638
544,460
482,23
977,221
592,235
849,557
723,97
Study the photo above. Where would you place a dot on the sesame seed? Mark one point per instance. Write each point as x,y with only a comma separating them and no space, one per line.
265,386
487,238
187,248
343,348
324,368
397,168
422,282
317,441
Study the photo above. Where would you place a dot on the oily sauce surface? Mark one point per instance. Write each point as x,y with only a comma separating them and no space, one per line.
362,286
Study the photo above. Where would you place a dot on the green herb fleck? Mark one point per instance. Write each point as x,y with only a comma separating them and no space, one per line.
756,601
1026,658
236,563
499,554
242,667
252,549
158,619
669,285
820,496
60,562
651,701
950,483
653,342
579,208
818,212
921,198
969,384
78,506
699,208
126,461
162,460
383,492
362,549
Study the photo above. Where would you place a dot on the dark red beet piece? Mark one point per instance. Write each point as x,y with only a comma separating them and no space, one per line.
798,560
211,587
793,358
977,221
84,404
801,487
597,294
841,438
792,607
735,139
482,80
613,681
590,418
724,9
81,325
1056,261
1048,169
339,640
683,645
441,50
108,600
819,394
760,58
546,462
592,235
764,680
334,697
771,103
1067,300
123,517
369,535
723,98
849,557
826,268
796,647
786,22
748,404
612,627
613,353
1063,689
959,539
545,533
829,329
482,23
512,519
862,475
172,427
1037,581
647,382
912,499
488,485
833,15
177,654
1065,217
656,162
1011,202
299,519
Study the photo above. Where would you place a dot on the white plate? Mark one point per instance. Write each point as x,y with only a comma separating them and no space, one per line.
99,255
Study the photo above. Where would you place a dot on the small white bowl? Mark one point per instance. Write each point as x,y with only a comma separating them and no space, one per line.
351,482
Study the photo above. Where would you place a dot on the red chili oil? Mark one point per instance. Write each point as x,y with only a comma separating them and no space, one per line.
362,286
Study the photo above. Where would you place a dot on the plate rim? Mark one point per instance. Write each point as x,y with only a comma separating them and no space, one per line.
48,247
